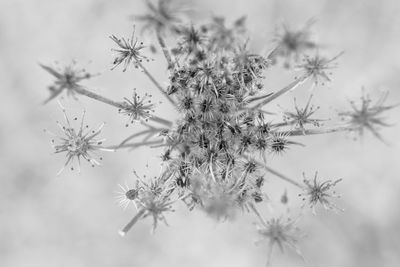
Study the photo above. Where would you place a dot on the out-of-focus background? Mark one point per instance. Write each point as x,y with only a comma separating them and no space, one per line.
72,220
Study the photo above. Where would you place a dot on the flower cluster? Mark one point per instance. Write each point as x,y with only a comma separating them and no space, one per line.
216,151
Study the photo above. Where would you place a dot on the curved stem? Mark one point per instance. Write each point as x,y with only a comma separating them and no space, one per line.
135,145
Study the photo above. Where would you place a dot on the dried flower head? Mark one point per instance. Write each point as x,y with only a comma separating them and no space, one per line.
223,37
302,116
279,143
78,144
67,79
153,199
281,233
291,43
128,51
317,192
138,108
318,67
161,16
368,115
192,40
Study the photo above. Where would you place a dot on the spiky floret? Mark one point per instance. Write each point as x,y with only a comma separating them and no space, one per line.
78,144
368,115
138,108
153,198
302,116
161,16
278,143
317,192
292,43
128,51
68,79
222,37
281,233
192,40
318,67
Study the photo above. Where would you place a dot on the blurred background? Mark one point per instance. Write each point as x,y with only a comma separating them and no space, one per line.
73,220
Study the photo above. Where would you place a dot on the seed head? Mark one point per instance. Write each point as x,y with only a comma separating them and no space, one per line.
223,37
318,67
78,144
281,233
153,199
162,16
278,143
301,116
192,40
138,108
368,116
67,79
291,43
317,192
128,51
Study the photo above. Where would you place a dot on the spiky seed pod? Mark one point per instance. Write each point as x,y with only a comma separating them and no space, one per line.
317,192
78,144
128,51
138,108
68,79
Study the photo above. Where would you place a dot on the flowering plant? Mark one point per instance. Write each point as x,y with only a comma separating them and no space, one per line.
216,152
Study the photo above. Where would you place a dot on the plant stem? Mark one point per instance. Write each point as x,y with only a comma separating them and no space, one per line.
283,177
159,87
317,131
132,222
282,91
164,48
259,97
83,91
135,145
256,212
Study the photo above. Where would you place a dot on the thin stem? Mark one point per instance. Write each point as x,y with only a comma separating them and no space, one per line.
282,91
159,87
212,171
132,222
283,177
164,48
135,145
256,212
83,91
259,97
160,120
136,135
317,131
